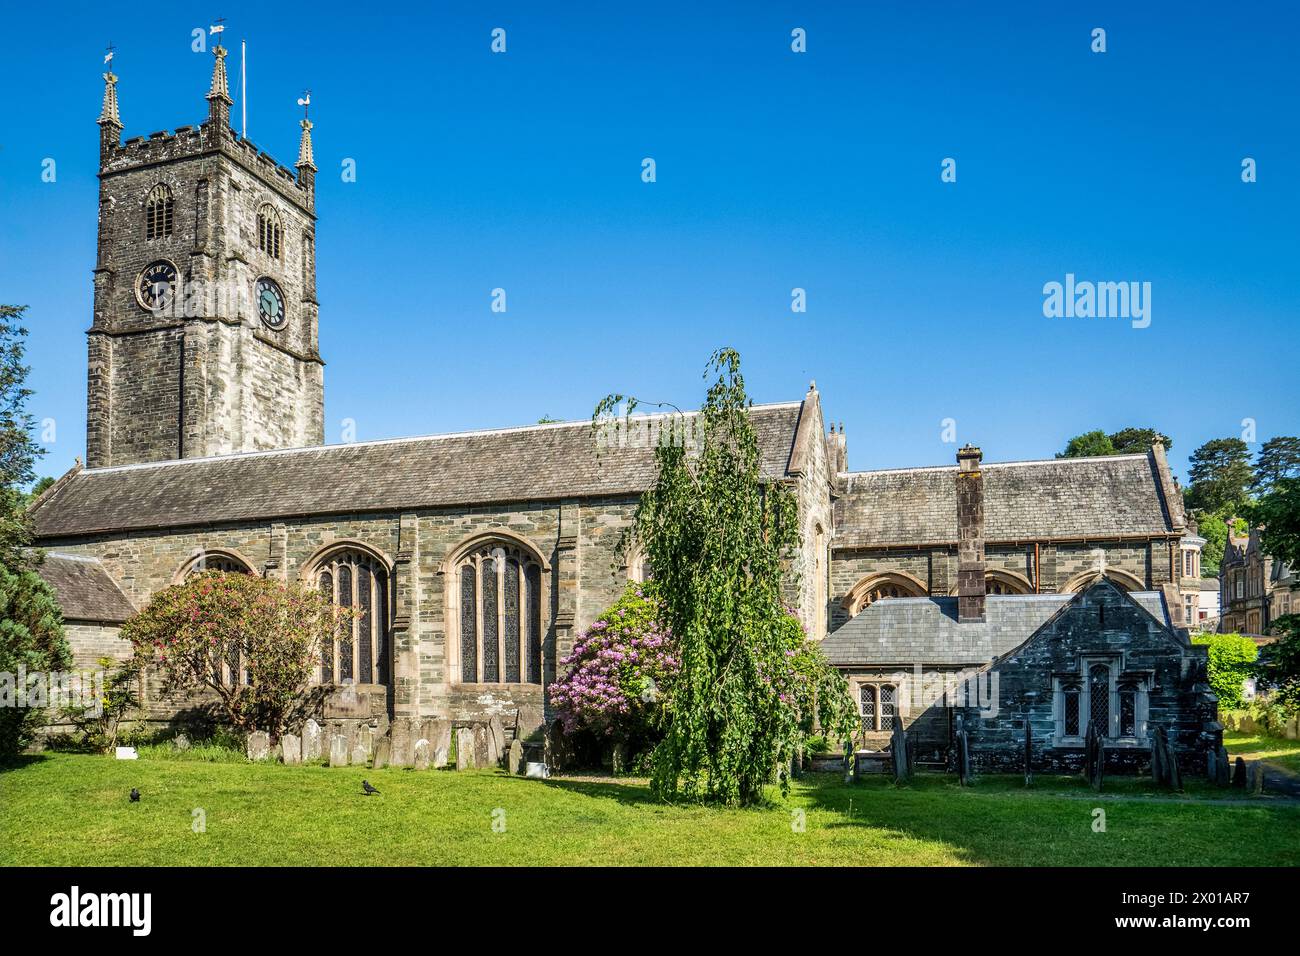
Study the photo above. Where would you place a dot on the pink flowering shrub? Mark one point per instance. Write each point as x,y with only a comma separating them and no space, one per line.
617,681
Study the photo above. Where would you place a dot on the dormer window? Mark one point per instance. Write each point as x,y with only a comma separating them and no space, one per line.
269,231
159,210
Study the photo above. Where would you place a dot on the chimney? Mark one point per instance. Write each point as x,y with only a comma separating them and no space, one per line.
837,449
970,535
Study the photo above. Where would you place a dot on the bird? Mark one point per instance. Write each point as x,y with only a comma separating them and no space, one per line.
367,789
135,795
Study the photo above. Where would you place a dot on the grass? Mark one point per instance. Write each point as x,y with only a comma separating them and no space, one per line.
72,809
1257,746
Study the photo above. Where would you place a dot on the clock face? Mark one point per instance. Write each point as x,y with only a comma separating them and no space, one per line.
270,303
157,285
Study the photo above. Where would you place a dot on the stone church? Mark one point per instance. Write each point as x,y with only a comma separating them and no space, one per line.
477,557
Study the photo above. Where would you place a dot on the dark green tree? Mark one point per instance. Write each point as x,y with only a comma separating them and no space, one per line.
1088,445
1138,441
1220,475
1278,515
1278,458
18,452
716,537
1215,532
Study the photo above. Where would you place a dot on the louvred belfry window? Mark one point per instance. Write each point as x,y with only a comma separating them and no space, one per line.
159,211
359,653
499,592
269,231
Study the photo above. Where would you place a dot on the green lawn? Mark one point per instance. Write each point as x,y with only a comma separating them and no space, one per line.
73,809
1275,750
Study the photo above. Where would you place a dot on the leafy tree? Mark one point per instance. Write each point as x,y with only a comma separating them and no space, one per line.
1092,444
1215,532
1277,514
716,538
1220,473
1278,458
1231,661
18,452
31,638
191,632
1138,441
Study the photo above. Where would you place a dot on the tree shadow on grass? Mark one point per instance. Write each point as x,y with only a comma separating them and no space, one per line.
625,792
21,761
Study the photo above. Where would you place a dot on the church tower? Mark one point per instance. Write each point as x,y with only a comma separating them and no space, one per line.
204,337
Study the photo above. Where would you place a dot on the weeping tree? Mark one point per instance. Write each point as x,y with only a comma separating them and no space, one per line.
715,537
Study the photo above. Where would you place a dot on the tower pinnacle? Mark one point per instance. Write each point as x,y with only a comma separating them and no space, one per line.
109,112
305,156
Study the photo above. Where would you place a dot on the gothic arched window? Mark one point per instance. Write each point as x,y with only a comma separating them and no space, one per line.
359,653
497,619
867,701
877,587
269,231
159,209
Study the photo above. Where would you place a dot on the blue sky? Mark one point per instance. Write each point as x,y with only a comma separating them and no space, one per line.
775,170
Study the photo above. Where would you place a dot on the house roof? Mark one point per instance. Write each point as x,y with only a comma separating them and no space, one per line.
534,463
1209,584
84,589
1063,498
925,630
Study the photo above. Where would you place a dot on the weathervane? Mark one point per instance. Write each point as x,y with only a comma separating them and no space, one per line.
305,102
108,55
218,27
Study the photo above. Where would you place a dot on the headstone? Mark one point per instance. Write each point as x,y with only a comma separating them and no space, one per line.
438,733
536,770
1211,765
359,756
498,732
1257,777
311,742
383,749
555,748
259,745
529,719
1029,753
1158,775
366,739
515,761
1090,748
618,759
963,759
352,732
181,743
898,747
338,751
420,756
482,746
400,734
464,748
1239,774
1293,728
291,749
1222,768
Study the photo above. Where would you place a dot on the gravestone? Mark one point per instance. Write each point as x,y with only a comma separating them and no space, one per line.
498,732
359,756
515,761
1257,777
464,748
311,742
902,760
352,731
259,745
963,759
420,758
366,739
1239,774
482,746
438,733
383,748
1223,768
1212,765
1029,753
400,734
338,751
181,743
555,748
1293,728
291,748
529,720
618,759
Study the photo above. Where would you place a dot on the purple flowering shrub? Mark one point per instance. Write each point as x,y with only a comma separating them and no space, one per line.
616,682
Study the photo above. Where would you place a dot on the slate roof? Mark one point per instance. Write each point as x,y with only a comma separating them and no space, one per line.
924,630
535,463
1064,498
84,589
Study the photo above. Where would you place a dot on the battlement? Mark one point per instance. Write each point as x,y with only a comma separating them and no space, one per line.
165,145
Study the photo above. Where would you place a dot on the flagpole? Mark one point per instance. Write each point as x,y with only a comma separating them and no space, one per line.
243,89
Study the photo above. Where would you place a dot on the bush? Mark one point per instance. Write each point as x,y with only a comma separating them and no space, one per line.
616,681
31,637
1231,661
193,631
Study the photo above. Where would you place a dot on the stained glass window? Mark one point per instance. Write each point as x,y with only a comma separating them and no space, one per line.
510,642
354,579
491,658
468,625
500,616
